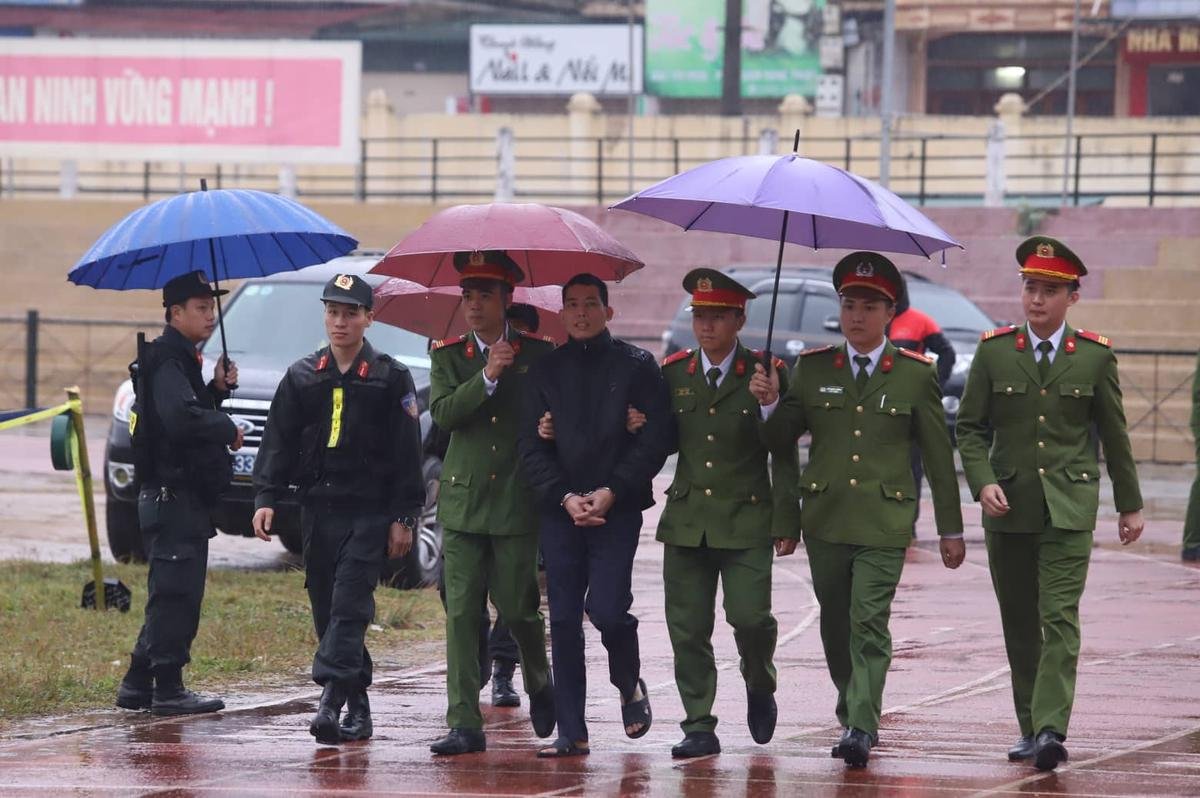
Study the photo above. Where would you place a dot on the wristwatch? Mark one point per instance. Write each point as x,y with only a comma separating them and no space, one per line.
407,521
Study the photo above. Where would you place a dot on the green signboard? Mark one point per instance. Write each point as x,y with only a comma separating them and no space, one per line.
685,46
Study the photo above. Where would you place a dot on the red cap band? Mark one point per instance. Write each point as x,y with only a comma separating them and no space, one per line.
718,298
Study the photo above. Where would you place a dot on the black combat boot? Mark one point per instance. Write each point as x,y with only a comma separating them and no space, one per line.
172,698
503,694
324,724
137,688
357,723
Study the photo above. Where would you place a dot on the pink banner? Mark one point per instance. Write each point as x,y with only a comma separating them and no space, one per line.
191,101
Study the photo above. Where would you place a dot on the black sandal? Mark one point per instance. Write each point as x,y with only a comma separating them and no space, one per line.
562,747
638,712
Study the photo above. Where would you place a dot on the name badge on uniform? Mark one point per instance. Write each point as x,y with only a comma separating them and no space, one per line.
683,391
834,389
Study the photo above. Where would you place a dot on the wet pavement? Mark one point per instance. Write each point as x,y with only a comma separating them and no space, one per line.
947,722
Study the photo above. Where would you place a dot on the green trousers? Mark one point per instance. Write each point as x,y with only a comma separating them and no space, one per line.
1191,521
690,577
1038,579
855,586
507,566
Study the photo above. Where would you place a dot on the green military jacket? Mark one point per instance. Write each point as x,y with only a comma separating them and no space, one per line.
1032,437
858,486
482,489
722,494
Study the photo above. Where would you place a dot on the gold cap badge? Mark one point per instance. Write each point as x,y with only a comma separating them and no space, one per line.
864,269
344,282
704,284
475,259
1045,251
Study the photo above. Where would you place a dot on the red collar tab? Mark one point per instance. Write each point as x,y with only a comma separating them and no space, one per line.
200,358
1069,345
1021,341
839,359
364,368
692,365
516,346
739,368
885,363
322,362
470,349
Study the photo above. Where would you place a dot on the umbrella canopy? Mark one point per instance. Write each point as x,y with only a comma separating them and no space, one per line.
227,233
827,207
436,312
550,244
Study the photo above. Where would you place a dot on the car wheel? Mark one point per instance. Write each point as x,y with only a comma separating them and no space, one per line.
124,533
422,566
292,540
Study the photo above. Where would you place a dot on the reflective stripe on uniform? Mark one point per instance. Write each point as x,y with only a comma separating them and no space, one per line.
335,421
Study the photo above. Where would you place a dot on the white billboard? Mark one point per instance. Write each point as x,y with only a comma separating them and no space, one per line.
554,59
181,99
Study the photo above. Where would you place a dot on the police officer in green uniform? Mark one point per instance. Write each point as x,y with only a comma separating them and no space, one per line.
179,442
866,403
722,514
344,427
1191,522
485,507
1033,394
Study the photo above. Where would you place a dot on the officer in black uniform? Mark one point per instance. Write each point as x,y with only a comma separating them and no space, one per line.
343,427
183,466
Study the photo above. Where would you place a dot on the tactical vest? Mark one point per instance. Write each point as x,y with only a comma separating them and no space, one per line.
205,468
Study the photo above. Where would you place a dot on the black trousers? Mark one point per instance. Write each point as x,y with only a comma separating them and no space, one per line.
344,552
175,529
589,570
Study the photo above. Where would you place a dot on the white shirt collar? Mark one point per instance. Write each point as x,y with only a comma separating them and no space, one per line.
724,365
1055,339
484,347
874,354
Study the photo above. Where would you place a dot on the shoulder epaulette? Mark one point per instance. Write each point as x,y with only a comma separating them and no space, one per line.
914,355
535,336
817,350
776,361
1095,337
1012,328
449,341
682,354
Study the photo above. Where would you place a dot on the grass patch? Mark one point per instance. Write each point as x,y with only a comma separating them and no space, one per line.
254,626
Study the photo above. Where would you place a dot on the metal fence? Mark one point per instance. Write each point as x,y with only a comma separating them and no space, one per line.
1137,168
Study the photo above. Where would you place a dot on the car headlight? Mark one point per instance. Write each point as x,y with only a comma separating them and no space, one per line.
962,364
123,402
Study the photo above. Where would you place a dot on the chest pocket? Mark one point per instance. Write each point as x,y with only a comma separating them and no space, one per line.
893,420
1008,388
827,401
685,403
1076,400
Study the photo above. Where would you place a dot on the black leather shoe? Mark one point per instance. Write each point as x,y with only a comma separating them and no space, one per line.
324,725
541,711
356,725
503,694
1022,750
1190,553
1048,750
855,748
182,701
761,714
460,741
137,687
696,743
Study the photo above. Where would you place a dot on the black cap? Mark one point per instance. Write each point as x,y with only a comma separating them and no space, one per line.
349,289
192,285
872,271
490,264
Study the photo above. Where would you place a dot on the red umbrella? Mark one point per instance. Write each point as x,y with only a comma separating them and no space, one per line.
550,244
436,313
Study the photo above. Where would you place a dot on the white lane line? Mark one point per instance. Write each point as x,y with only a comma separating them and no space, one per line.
1191,570
1014,785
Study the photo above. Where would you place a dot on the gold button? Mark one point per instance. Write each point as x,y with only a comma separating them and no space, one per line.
813,486
858,433
708,491
712,411
492,476
745,412
493,419
453,478
899,494
754,500
854,458
1041,444
1041,419
827,404
858,409
1077,392
1041,471
493,447
893,411
1042,392
711,437
1084,475
1008,389
708,463
853,482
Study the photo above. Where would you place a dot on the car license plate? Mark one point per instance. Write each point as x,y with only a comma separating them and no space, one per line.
243,465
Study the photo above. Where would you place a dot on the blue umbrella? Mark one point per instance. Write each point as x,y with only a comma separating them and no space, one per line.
228,234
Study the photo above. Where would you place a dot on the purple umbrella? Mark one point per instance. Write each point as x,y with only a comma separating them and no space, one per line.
789,198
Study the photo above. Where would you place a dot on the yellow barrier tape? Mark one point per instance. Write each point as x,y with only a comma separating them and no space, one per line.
40,415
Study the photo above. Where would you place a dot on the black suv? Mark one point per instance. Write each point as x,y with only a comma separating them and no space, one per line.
270,323
807,315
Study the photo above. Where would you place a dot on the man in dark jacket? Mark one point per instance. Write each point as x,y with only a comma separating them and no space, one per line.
180,440
593,481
